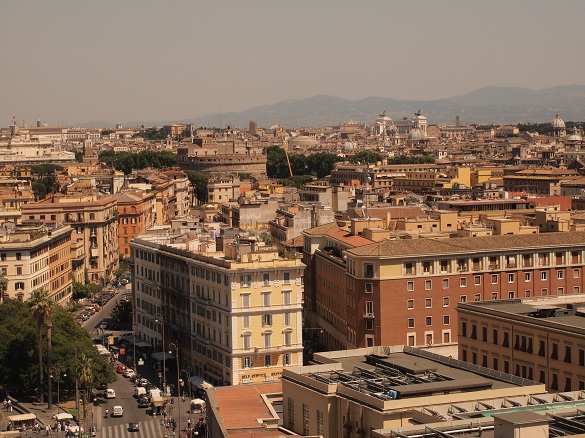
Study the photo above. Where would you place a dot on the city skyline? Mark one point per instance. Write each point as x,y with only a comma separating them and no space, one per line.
73,63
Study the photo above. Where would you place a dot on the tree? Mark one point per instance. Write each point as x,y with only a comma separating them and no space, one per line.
199,181
366,157
41,306
3,286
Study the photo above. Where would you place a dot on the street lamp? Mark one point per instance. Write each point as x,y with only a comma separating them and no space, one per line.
178,382
56,371
164,353
189,401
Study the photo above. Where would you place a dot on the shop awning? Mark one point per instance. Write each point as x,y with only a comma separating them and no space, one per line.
22,417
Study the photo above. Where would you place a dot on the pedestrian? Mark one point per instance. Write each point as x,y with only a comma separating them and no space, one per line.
10,405
47,428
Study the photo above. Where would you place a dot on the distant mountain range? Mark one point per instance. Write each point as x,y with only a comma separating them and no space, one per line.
485,105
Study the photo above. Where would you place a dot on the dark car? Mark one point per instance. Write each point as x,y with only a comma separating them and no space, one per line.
143,402
134,426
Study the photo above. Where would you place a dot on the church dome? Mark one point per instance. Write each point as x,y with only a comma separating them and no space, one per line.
558,123
416,134
575,137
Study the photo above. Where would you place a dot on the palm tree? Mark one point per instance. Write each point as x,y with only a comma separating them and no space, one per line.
3,286
41,306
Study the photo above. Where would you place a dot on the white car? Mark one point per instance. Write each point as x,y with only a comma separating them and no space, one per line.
110,393
118,411
128,373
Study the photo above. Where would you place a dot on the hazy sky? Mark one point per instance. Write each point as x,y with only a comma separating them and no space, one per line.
128,60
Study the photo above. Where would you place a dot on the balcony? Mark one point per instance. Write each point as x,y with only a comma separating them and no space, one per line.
368,315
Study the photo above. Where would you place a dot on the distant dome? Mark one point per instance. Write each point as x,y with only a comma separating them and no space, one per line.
383,119
416,134
575,137
302,140
558,122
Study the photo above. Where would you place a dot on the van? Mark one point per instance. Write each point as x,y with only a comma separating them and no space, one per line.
118,411
155,392
139,391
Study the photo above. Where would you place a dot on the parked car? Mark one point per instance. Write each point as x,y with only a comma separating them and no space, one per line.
110,393
143,402
121,369
129,372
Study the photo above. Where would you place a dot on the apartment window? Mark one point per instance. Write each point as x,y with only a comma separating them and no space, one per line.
544,291
266,279
543,275
287,338
369,308
510,278
19,270
245,280
494,295
267,360
369,270
444,266
266,320
473,331
19,285
446,320
369,324
247,341
246,321
495,336
484,332
411,340
410,286
286,318
246,301
369,288
463,332
287,359
409,268
581,357
495,361
461,265
463,282
567,358
527,276
506,342
320,429
576,289
477,280
560,291
410,304
495,279
527,292
541,348
410,322
555,382
477,297
463,299
267,340
305,419
266,299
286,278
559,274
429,321
3,257
445,301
428,285
511,294
575,273
428,303
18,256
555,351
445,283
426,267
247,362
286,297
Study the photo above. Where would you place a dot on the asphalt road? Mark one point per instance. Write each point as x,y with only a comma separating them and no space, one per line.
117,427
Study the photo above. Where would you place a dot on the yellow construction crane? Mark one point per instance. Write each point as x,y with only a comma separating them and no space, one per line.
284,145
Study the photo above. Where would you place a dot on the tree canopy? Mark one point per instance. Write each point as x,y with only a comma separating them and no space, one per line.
19,343
365,157
127,161
199,180
319,164
412,159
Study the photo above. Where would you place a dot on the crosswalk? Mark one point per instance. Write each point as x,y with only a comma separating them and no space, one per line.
151,428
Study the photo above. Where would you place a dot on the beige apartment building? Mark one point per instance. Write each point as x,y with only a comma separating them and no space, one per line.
94,220
534,338
34,257
348,394
234,315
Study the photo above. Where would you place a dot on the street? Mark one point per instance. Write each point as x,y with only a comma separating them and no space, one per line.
117,427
